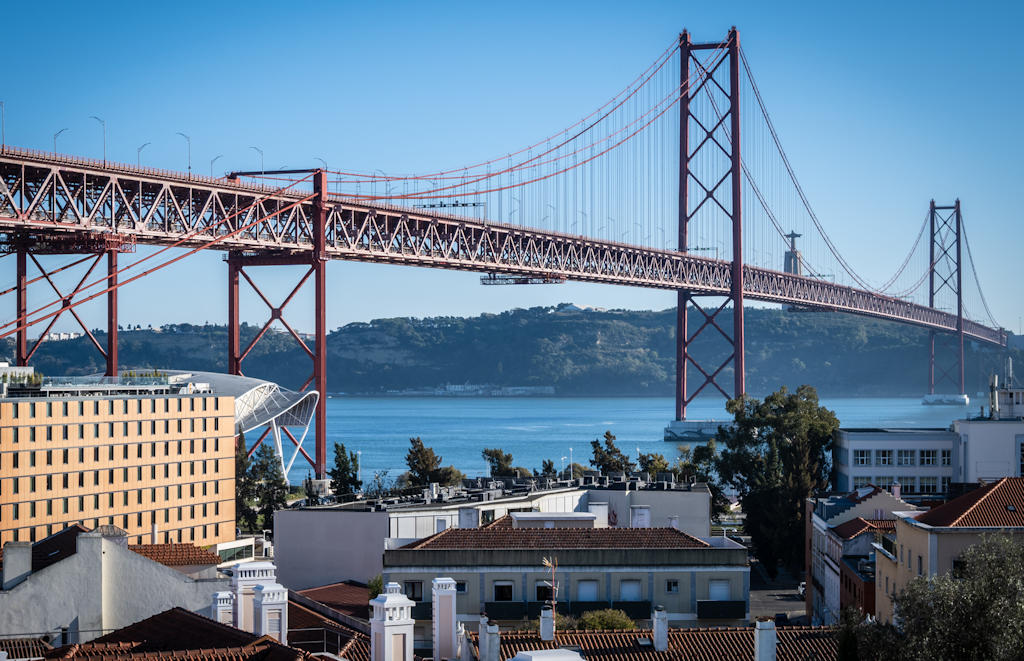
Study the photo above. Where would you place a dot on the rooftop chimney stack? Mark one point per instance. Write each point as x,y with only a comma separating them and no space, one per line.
17,563
895,489
271,611
493,644
482,637
444,620
765,640
223,608
391,625
659,619
547,623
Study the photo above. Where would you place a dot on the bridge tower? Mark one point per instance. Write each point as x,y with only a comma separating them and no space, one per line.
698,188
945,275
316,261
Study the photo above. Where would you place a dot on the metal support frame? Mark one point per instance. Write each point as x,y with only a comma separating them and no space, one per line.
945,273
26,249
316,260
686,392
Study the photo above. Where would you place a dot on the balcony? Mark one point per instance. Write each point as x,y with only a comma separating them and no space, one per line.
721,610
517,610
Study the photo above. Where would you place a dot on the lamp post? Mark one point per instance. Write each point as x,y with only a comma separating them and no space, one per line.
359,466
138,153
189,141
260,152
104,125
563,467
55,139
571,472
214,160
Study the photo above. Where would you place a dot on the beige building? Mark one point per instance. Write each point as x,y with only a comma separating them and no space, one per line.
931,543
153,455
499,569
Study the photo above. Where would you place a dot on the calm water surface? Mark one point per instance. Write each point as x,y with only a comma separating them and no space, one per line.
534,429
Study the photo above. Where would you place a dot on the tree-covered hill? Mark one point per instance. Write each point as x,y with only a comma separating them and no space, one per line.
577,351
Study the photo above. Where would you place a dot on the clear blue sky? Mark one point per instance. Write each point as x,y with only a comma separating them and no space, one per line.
881,106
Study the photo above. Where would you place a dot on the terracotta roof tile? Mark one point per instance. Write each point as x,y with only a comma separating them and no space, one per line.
176,555
303,624
996,505
858,526
558,538
696,644
24,648
347,597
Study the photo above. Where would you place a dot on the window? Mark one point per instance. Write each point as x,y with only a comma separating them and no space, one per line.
947,457
718,589
414,590
928,457
862,457
672,586
945,485
503,591
905,458
861,481
542,590
929,485
883,457
486,516
460,586
629,590
884,481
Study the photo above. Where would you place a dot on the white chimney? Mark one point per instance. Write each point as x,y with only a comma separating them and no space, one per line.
271,611
482,637
895,489
493,643
17,563
244,579
223,607
444,618
659,620
155,534
391,625
765,640
547,623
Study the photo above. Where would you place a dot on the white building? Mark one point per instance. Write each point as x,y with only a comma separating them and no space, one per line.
77,585
920,460
320,545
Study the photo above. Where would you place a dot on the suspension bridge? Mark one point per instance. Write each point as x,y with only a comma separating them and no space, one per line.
652,189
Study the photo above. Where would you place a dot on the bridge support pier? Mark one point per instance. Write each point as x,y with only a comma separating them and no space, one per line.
946,276
317,270
709,206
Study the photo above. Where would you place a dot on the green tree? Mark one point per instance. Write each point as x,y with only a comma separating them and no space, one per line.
375,585
610,458
425,467
500,462
271,488
547,469
344,473
608,618
245,488
774,456
653,463
423,463
697,464
574,470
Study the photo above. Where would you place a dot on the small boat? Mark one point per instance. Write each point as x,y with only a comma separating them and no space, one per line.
946,400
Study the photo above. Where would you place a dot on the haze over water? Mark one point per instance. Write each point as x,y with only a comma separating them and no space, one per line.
534,429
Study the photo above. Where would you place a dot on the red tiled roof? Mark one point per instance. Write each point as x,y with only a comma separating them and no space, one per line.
696,644
303,624
347,597
558,538
176,555
24,648
996,505
858,526
500,522
178,633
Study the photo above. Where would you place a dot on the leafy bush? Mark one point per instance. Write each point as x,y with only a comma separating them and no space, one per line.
609,618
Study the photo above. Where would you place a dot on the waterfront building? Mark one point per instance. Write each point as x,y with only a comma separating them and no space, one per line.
330,543
839,531
931,543
500,569
152,454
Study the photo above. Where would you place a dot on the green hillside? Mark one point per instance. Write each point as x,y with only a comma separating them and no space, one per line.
578,352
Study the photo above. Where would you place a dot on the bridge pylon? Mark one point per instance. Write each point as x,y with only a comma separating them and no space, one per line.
945,275
703,189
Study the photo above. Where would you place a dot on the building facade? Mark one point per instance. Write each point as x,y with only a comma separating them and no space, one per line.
919,460
931,543
146,457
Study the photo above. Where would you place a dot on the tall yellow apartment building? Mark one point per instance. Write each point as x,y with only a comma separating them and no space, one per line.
152,456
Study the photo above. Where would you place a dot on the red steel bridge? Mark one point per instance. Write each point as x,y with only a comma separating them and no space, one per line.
650,190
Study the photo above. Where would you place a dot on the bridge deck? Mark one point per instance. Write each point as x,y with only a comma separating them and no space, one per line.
43,196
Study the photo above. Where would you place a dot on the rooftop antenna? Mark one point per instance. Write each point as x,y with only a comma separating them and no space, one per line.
1009,372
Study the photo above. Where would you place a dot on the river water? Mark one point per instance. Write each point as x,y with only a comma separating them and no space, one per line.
534,429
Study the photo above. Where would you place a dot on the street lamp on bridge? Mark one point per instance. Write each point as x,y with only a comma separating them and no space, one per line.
104,125
138,153
214,160
188,140
55,135
260,152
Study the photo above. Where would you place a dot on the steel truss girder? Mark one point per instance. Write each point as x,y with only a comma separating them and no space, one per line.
159,208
